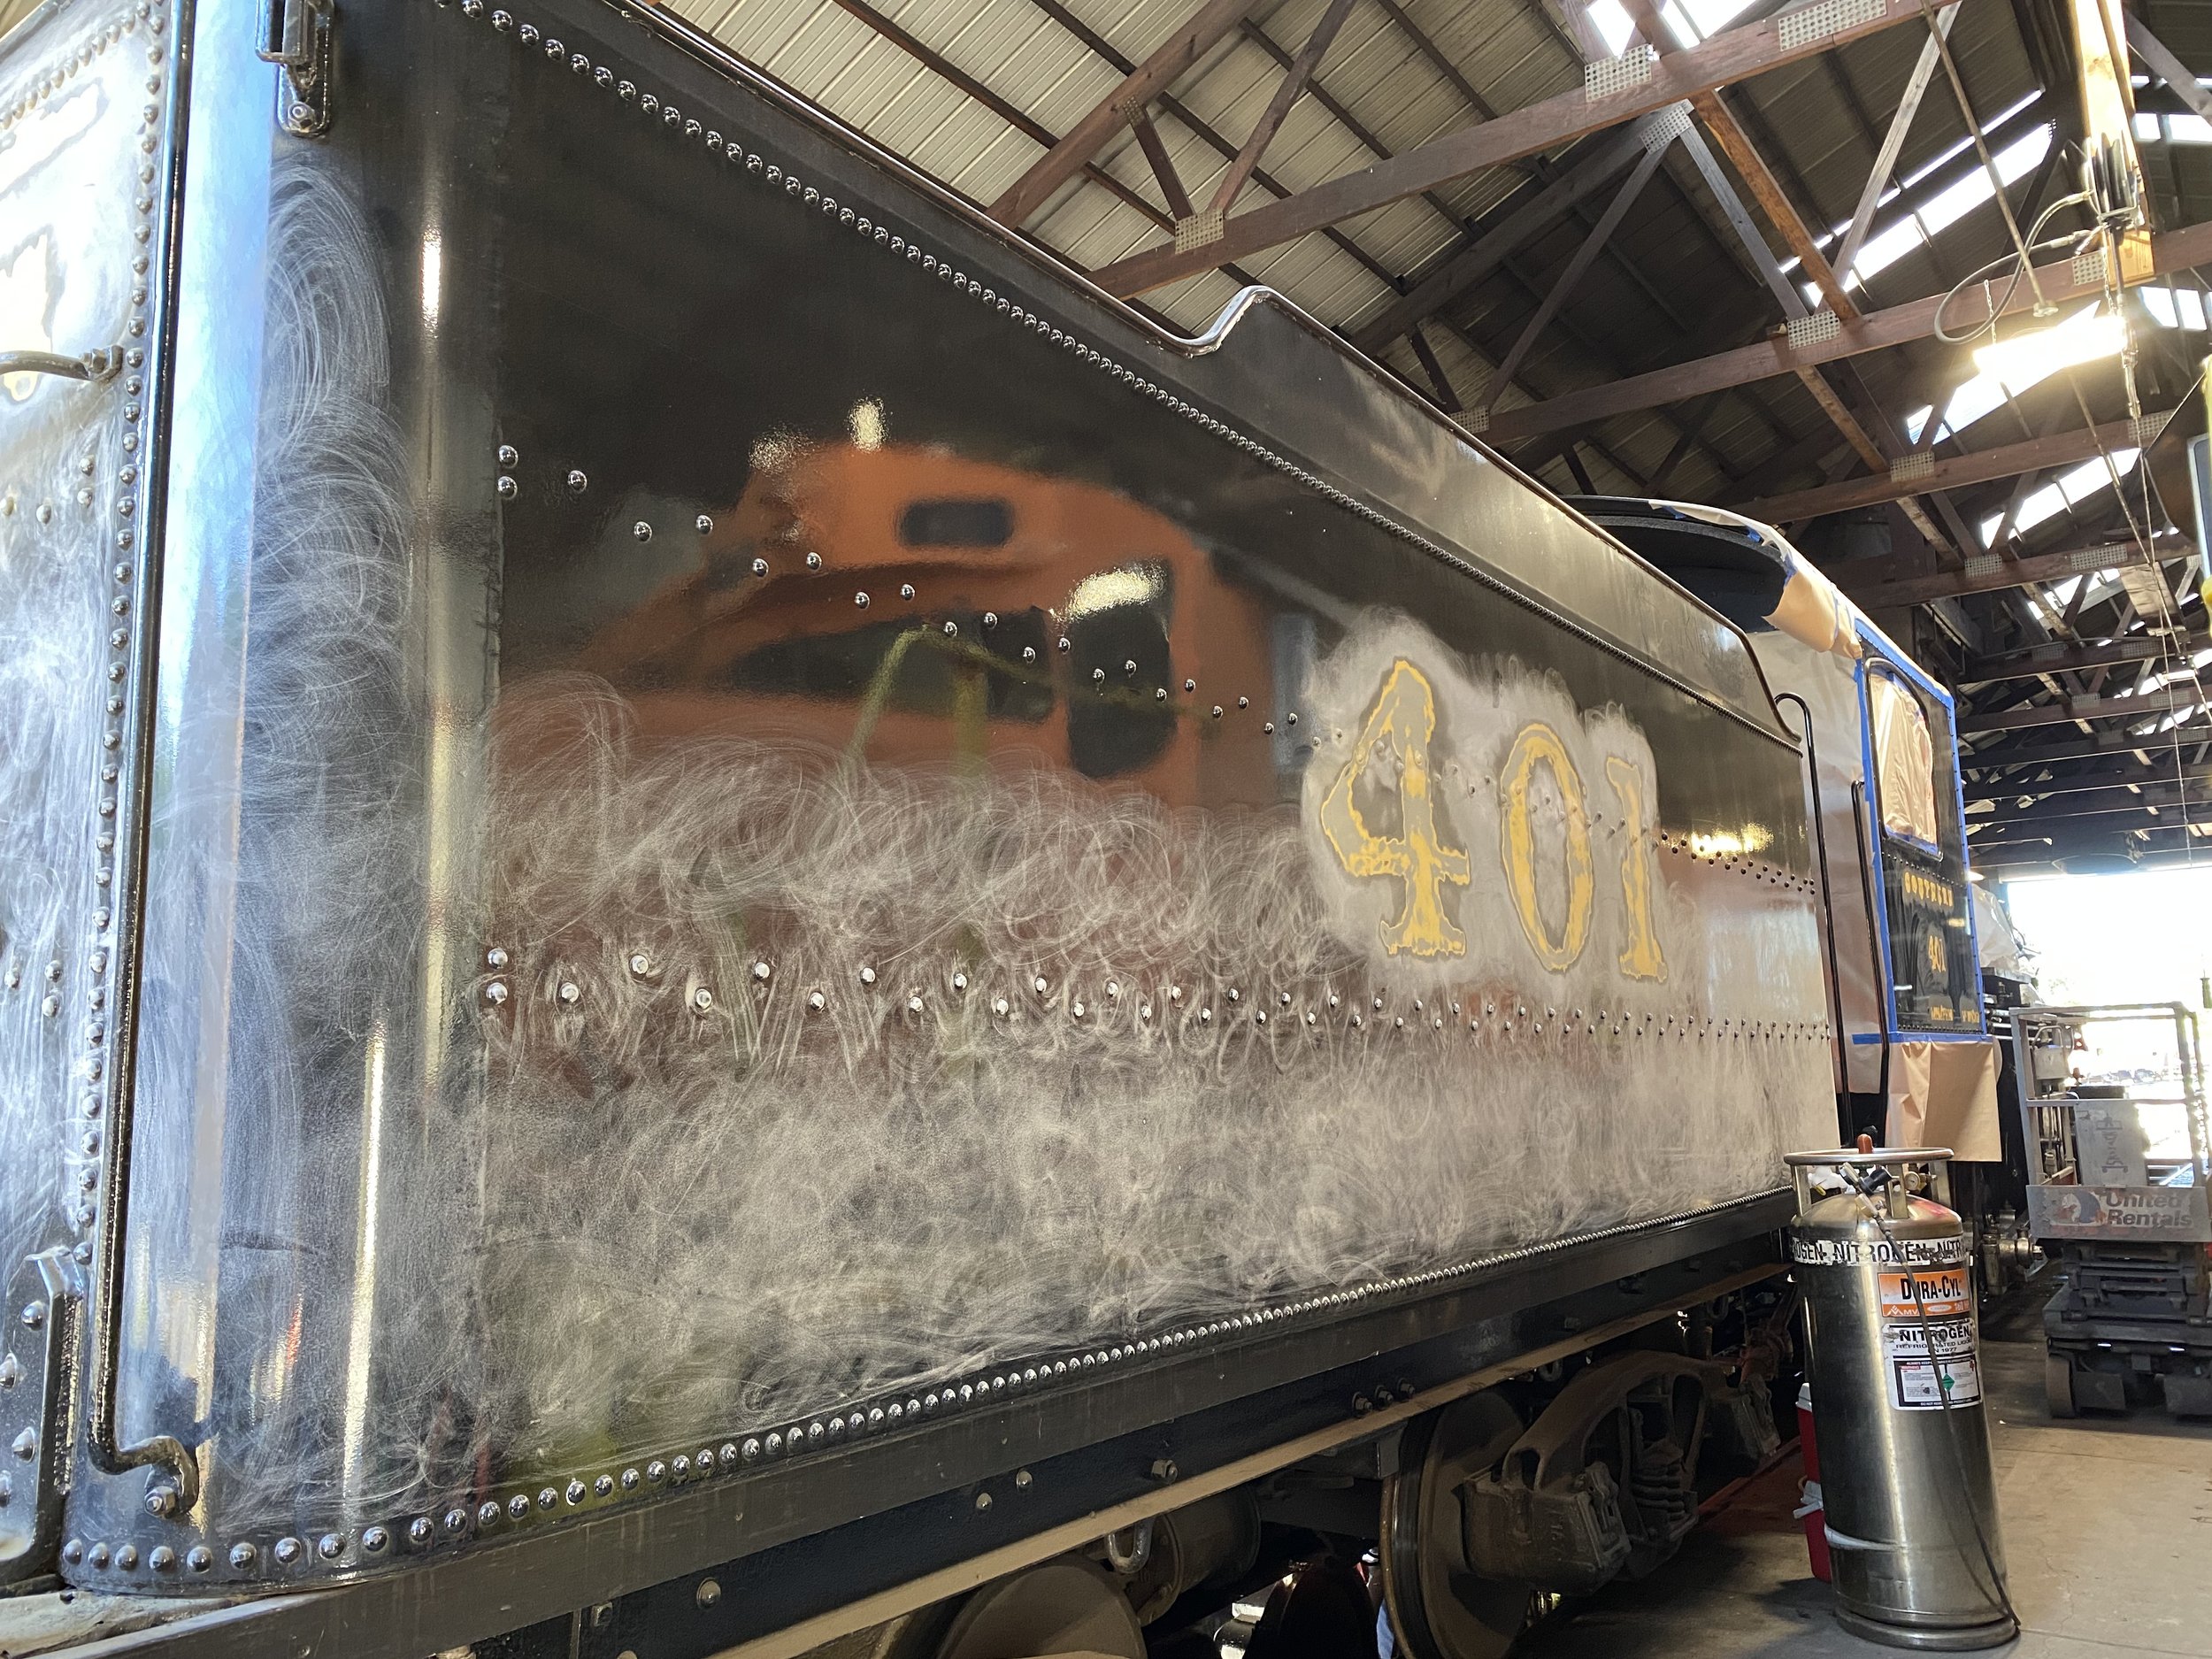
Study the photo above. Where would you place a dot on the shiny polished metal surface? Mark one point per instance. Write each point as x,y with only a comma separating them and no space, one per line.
761,805
1895,1370
85,149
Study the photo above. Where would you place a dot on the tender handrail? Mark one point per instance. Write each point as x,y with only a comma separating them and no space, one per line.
101,364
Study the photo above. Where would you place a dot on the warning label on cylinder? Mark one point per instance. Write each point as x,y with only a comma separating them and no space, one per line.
1920,1380
1943,1295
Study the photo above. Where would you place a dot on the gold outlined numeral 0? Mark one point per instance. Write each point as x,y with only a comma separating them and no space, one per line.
1538,745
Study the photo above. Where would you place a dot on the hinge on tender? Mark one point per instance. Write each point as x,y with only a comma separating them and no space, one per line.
296,36
38,1393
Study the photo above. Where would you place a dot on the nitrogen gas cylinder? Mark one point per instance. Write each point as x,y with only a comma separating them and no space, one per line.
1897,1401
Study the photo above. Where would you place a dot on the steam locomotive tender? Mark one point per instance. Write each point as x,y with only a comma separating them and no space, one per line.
709,882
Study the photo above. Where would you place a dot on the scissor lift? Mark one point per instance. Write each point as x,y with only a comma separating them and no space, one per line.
2131,1229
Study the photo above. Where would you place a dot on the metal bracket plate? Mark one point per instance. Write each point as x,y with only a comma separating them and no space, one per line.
296,36
37,1408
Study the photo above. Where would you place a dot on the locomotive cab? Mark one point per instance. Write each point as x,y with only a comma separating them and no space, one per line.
1915,1065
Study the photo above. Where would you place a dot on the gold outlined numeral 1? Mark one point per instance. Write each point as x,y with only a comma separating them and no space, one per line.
1642,958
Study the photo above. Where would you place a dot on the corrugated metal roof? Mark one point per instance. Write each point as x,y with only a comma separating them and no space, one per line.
1675,283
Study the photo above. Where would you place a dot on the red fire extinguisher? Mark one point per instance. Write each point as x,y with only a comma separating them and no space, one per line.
1809,1512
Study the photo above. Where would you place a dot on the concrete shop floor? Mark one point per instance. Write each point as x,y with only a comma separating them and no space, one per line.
2108,1535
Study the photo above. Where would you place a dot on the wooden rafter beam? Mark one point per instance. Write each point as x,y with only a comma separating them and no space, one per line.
2108,108
2167,67
1104,50
1768,268
1864,444
1980,467
1432,365
2061,847
1207,28
2160,798
1892,145
1750,166
2065,711
1580,42
1693,419
1287,93
1985,573
1648,132
2080,746
1767,191
1163,165
1462,271
2091,783
1897,325
1577,266
1012,114
2067,658
1735,55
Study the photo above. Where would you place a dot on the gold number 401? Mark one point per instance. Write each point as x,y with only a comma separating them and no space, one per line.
1400,726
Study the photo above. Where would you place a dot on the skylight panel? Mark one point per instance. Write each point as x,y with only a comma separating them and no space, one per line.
1952,203
2174,307
2083,481
1973,399
1612,23
1889,247
1711,16
2175,129
1935,163
1689,21
1978,395
2071,488
2039,506
1949,205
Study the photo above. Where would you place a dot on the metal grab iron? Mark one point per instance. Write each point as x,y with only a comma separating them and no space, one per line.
103,363
295,35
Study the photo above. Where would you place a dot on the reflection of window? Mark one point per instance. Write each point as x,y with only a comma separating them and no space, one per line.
1117,724
1904,760
924,665
985,522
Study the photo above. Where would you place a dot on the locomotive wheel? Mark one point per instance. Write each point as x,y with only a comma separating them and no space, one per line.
1439,1607
1063,1606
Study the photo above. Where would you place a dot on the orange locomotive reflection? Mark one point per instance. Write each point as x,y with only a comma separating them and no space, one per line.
913,606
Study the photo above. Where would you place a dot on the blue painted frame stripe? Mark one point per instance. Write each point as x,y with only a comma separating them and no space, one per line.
1881,647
